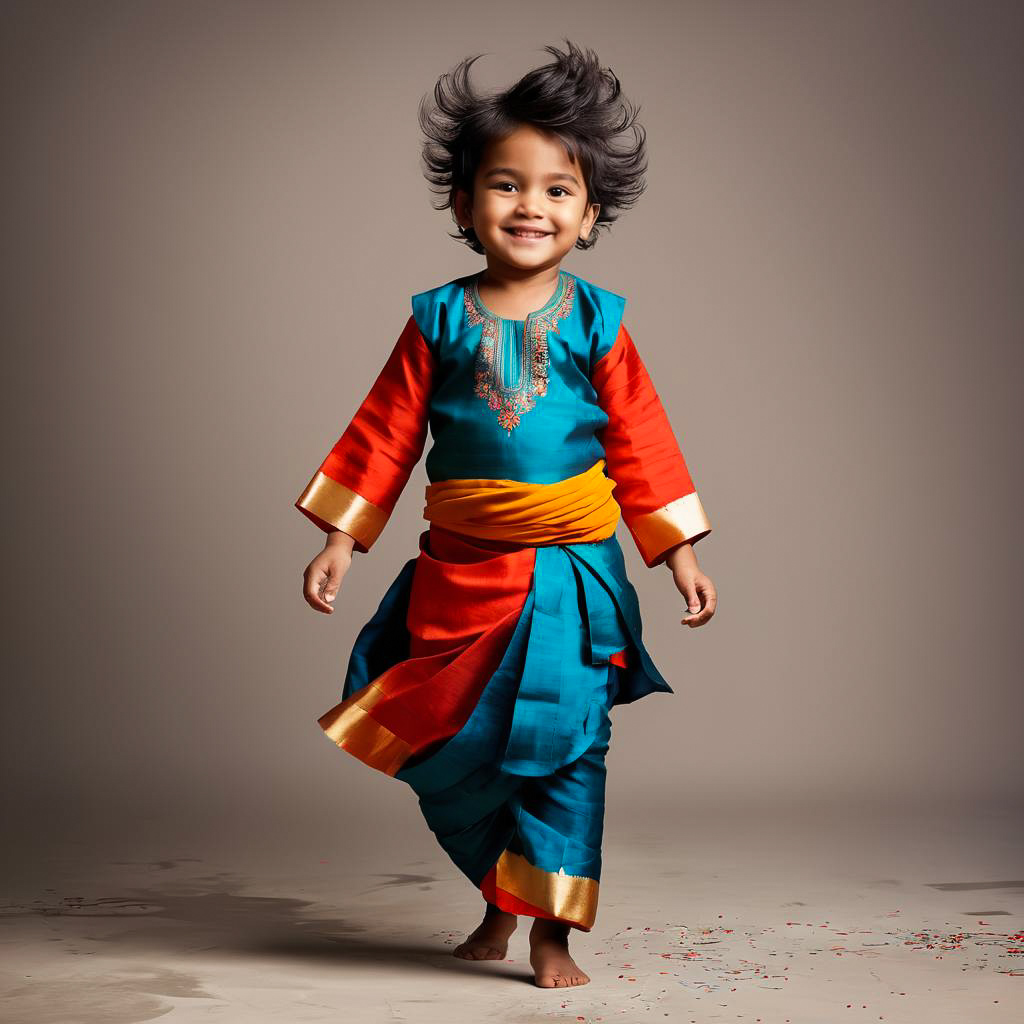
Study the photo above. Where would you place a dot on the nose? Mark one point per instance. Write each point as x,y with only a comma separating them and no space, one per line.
529,204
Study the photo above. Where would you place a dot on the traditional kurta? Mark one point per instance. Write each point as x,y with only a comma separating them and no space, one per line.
485,678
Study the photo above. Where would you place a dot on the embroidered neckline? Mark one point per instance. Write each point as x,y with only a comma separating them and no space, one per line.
474,285
510,403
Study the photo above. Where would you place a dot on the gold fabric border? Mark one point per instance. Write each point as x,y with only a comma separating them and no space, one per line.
570,897
352,728
344,509
681,520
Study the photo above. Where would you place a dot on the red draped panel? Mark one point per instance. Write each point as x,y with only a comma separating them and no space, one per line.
465,603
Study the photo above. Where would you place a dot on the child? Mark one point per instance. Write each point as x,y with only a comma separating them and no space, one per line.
486,677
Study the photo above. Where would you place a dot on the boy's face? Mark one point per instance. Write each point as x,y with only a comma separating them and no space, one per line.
528,180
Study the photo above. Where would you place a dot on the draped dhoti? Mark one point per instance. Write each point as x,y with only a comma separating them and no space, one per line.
486,677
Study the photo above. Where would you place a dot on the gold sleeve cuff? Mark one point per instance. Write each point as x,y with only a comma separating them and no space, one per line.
678,521
329,503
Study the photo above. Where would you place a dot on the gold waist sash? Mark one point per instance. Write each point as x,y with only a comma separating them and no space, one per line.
571,511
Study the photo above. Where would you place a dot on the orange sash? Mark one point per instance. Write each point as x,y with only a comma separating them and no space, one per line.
578,509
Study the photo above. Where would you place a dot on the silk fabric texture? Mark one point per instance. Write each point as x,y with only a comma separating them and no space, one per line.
485,681
486,676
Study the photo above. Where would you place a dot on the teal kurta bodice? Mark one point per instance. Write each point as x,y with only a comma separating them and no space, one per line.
513,399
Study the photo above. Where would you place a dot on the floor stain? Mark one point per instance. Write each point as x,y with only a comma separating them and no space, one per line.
121,997
968,886
220,917
162,865
394,879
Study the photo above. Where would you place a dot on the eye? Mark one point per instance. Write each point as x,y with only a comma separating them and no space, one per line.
554,188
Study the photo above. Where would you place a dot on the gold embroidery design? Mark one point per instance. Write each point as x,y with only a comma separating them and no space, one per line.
511,402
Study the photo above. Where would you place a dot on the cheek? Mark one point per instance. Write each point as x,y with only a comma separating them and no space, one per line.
569,217
489,210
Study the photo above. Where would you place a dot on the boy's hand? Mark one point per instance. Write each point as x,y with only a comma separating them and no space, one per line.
694,585
324,574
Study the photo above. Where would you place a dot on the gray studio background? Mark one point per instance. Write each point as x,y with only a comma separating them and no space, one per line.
216,217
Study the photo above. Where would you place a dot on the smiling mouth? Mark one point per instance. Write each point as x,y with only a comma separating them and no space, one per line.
525,233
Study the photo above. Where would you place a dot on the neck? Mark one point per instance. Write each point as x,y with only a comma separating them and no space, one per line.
503,277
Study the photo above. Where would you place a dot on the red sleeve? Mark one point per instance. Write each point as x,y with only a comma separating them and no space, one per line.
357,485
659,502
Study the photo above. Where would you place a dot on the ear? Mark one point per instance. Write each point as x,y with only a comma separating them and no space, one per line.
463,209
588,220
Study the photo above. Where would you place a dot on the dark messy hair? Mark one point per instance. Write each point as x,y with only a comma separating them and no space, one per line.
572,98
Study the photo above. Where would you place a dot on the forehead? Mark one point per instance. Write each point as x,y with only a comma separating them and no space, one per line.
528,149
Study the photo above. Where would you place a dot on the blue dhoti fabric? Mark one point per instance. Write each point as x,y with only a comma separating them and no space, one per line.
515,792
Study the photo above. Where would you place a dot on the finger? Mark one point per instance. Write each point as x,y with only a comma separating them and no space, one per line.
314,583
710,604
329,588
692,600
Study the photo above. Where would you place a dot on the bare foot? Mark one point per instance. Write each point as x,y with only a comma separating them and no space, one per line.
549,956
490,939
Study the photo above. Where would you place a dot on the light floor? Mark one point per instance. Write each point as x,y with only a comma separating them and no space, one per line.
789,917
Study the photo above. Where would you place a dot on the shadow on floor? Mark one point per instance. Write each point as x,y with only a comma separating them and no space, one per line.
210,914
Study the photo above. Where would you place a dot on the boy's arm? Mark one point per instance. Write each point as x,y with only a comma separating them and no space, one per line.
659,502
357,485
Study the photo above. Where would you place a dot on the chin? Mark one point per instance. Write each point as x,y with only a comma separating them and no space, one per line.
529,256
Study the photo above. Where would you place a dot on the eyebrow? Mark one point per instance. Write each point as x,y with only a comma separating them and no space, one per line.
512,170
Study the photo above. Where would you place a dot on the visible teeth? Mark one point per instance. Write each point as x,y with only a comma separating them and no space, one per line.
528,234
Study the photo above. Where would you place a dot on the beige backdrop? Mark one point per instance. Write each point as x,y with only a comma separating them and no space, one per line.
216,220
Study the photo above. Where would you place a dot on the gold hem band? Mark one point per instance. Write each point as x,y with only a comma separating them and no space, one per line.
569,897
352,728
